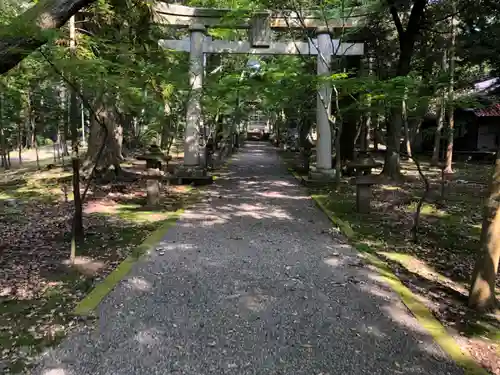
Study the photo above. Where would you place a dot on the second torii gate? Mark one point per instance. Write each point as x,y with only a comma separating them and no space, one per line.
197,19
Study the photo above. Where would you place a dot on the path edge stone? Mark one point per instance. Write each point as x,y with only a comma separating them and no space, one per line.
423,315
90,302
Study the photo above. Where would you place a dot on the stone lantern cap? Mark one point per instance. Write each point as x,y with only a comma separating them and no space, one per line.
154,153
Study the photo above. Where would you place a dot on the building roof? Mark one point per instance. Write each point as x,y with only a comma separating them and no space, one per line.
486,95
491,111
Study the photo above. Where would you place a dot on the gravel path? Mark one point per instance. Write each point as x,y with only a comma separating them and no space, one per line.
252,281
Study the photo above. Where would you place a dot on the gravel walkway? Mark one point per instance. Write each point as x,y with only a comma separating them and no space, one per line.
252,281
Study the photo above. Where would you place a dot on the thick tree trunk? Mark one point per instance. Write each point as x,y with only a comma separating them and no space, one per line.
392,163
347,137
482,290
112,154
407,39
28,31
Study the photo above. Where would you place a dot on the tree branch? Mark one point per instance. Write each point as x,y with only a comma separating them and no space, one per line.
397,21
28,31
416,14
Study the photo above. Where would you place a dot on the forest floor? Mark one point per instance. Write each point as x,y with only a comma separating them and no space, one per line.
38,287
438,268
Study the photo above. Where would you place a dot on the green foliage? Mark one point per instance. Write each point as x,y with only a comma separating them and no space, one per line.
118,62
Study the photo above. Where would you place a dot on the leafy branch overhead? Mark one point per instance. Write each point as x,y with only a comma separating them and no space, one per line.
34,28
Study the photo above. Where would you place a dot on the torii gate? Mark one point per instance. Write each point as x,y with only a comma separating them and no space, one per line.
260,31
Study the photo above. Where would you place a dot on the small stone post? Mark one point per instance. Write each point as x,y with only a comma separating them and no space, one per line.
363,198
364,193
323,105
153,187
193,113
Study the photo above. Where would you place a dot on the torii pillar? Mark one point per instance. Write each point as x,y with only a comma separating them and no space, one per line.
323,107
193,112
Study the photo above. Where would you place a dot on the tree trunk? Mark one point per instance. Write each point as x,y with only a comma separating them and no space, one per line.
482,290
44,16
441,118
20,142
166,130
36,153
424,93
3,145
64,119
28,125
437,134
376,130
112,154
73,120
451,107
338,152
347,136
366,120
392,164
406,129
407,39
58,147
84,136
366,131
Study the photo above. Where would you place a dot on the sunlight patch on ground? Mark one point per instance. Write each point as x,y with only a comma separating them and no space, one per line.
334,261
141,216
376,291
373,331
225,213
147,337
390,188
175,246
422,269
429,209
103,207
476,226
130,212
55,371
256,301
400,314
85,265
275,194
5,196
261,212
138,284
203,219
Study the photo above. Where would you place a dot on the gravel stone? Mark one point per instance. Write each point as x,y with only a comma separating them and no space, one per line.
251,283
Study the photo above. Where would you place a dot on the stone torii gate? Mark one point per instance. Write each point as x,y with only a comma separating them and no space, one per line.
260,28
